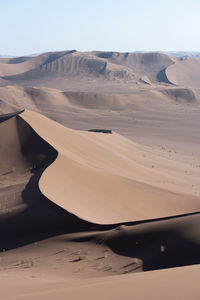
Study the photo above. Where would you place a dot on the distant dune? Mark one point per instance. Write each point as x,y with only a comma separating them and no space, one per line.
65,65
166,116
185,72
45,99
59,69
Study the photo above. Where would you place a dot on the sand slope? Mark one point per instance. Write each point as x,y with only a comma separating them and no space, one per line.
185,73
96,70
56,69
106,179
51,101
178,283
97,180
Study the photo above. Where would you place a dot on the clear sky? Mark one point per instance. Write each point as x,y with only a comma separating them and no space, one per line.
35,26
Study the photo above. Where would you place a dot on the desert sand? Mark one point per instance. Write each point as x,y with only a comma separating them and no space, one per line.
99,176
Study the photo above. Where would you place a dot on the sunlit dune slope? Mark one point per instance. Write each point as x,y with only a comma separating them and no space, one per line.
108,179
176,283
185,72
53,102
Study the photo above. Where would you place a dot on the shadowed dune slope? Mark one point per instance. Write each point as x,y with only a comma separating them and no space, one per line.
164,243
99,178
9,136
24,157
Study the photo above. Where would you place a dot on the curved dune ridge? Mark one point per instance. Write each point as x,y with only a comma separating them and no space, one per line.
185,73
103,179
88,202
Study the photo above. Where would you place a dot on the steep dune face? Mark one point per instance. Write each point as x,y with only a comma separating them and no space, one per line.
96,180
76,63
87,64
24,155
185,72
149,64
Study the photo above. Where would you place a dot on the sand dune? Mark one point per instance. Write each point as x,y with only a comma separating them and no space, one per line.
185,73
110,64
56,69
77,204
62,69
18,65
108,175
168,284
182,95
43,100
146,116
128,182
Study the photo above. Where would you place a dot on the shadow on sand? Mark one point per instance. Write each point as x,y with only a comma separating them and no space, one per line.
159,244
41,218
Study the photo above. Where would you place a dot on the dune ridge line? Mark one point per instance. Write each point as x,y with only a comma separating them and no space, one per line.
87,178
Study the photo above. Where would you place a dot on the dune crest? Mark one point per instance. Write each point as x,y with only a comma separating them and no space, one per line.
117,194
95,179
185,72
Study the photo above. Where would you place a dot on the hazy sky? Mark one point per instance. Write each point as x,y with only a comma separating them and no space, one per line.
34,26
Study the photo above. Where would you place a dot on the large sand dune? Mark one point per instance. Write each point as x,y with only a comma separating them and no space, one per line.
77,204
59,68
101,178
114,184
99,70
166,118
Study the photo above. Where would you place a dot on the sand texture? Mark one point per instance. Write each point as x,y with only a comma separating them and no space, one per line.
99,176
106,168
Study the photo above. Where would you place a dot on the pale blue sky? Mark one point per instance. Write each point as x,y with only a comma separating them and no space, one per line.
35,26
